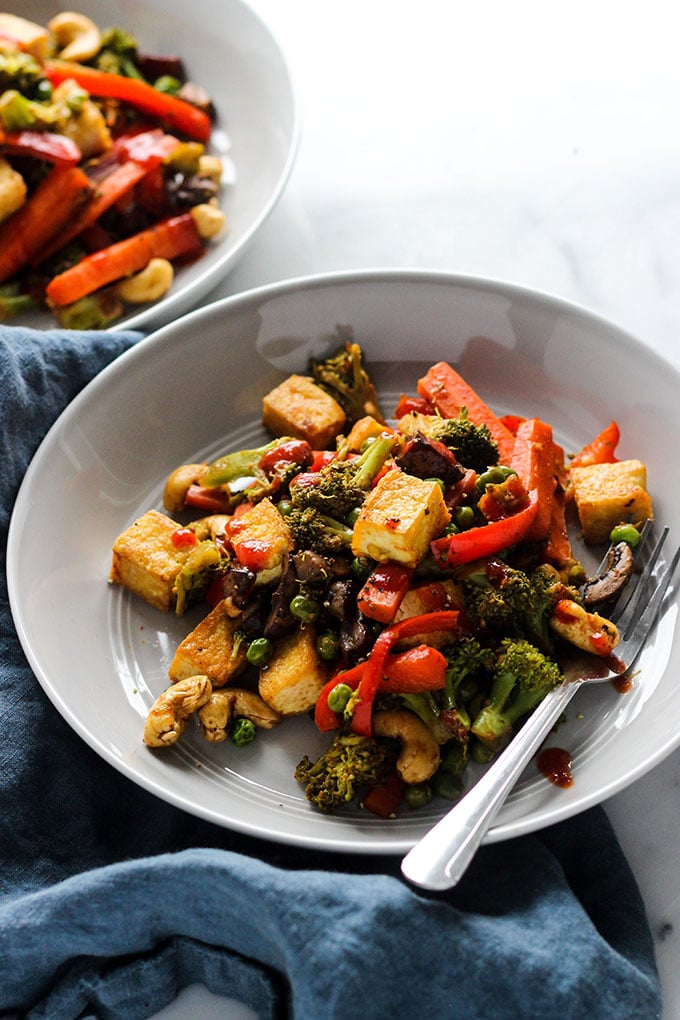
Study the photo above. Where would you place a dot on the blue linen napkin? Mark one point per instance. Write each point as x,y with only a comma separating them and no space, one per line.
112,901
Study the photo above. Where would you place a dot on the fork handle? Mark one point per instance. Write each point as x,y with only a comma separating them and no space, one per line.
441,856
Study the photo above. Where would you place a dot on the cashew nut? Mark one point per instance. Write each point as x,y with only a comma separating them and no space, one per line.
209,220
210,166
169,713
419,756
589,631
228,702
178,483
209,527
149,284
76,36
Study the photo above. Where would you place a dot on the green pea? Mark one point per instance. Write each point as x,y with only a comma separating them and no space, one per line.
338,697
418,795
243,732
304,608
439,482
625,533
494,476
260,651
464,517
285,507
327,646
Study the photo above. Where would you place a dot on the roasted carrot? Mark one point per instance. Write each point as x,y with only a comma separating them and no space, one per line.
141,155
169,239
59,196
449,393
383,590
119,182
534,461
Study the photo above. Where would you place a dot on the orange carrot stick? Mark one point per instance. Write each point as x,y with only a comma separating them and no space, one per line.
534,461
57,198
449,392
169,239
118,183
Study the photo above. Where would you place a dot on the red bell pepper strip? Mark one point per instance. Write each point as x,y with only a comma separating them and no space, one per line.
384,799
417,669
57,198
176,113
46,145
293,451
177,236
487,540
148,148
413,405
449,393
601,449
370,681
213,501
383,590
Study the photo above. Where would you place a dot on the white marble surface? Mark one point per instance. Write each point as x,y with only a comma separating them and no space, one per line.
522,141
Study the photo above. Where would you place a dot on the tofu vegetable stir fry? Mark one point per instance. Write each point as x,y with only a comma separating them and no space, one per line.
106,184
406,581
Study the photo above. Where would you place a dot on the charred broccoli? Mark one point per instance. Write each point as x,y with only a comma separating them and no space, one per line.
473,445
504,601
522,677
22,72
350,763
341,486
118,53
316,531
345,378
467,660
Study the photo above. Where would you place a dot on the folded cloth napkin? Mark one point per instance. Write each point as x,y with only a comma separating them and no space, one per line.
112,901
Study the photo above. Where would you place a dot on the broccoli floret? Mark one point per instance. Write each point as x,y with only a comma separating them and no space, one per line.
350,763
252,474
473,445
345,378
22,72
17,113
342,485
118,53
467,659
316,531
522,677
504,601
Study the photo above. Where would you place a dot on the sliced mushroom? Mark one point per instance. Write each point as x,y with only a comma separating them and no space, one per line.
616,574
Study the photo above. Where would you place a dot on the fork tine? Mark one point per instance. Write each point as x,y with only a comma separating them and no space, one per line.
631,606
637,632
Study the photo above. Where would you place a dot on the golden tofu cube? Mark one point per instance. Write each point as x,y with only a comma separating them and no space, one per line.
211,648
300,408
260,538
610,494
146,560
399,519
295,675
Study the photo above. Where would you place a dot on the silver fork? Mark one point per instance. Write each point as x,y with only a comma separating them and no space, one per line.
440,858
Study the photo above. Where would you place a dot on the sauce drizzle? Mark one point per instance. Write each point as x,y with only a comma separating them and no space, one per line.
555,764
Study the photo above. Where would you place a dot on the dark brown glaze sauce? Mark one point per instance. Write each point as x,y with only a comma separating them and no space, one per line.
555,764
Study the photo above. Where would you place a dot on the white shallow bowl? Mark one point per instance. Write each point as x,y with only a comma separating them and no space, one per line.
194,389
228,50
